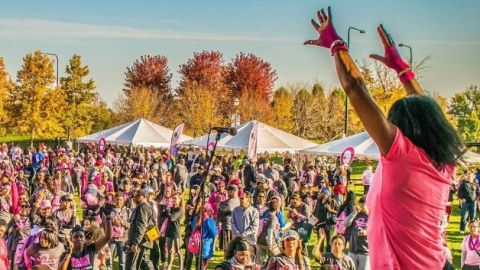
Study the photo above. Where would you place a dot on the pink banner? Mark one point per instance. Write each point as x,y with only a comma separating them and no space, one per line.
176,137
252,142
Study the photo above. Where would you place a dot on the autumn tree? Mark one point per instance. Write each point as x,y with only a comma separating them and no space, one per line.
103,115
37,108
139,103
79,95
465,107
282,105
205,71
6,87
197,109
149,73
302,110
251,79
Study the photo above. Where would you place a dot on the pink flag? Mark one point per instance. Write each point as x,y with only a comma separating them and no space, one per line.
176,136
15,198
252,142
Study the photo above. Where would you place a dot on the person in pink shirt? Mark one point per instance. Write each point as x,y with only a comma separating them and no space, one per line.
471,248
418,148
217,197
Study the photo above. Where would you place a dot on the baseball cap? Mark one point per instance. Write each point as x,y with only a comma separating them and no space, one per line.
291,234
232,187
45,204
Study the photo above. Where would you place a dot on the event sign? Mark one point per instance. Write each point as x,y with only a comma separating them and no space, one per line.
176,136
252,142
347,156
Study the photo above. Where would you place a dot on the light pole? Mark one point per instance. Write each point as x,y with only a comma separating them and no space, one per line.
411,53
56,62
235,119
345,130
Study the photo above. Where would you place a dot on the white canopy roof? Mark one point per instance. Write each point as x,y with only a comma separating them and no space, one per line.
140,132
362,143
364,147
270,139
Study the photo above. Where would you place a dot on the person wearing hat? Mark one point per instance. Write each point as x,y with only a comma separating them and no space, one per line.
245,219
143,217
197,178
217,196
208,238
292,256
325,212
66,214
224,217
269,228
263,184
358,221
239,255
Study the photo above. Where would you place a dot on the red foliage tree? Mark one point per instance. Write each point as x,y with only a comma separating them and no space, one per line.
249,73
149,72
206,70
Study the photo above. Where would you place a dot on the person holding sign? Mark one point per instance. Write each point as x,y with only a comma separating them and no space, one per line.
419,149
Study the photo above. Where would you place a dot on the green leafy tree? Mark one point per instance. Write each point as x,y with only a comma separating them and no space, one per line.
79,94
465,107
6,87
37,107
282,105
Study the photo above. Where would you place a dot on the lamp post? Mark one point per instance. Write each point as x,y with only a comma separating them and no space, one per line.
345,130
56,62
235,119
411,52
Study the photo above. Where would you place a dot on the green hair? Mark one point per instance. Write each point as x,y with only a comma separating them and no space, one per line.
421,119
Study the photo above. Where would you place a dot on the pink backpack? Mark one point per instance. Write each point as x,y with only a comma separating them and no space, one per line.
194,242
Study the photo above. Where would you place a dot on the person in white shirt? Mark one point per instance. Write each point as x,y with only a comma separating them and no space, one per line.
367,178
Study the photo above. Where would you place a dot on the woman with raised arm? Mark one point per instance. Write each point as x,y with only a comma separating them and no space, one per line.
419,149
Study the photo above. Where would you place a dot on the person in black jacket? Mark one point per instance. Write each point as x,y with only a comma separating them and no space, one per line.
143,217
467,193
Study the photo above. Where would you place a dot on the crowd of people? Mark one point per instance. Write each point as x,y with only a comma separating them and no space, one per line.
142,208
259,214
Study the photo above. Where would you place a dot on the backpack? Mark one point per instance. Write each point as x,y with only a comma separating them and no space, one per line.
194,242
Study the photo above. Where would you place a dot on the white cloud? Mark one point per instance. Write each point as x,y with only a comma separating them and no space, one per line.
38,28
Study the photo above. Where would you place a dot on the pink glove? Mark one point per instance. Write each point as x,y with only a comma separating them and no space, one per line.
328,36
392,58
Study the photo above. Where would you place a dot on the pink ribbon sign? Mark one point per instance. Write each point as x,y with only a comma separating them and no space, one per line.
347,156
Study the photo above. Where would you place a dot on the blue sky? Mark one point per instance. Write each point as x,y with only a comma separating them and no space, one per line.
110,35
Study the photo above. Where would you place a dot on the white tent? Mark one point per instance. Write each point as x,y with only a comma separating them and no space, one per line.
140,132
364,147
270,140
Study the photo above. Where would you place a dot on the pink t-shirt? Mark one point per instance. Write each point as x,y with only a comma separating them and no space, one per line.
470,256
406,203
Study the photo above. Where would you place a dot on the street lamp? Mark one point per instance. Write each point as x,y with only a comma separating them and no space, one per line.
411,53
345,130
236,103
56,61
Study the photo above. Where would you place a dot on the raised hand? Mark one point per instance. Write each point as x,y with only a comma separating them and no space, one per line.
392,58
328,36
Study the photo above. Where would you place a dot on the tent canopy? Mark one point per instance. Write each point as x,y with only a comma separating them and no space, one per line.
364,147
140,132
362,143
269,140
